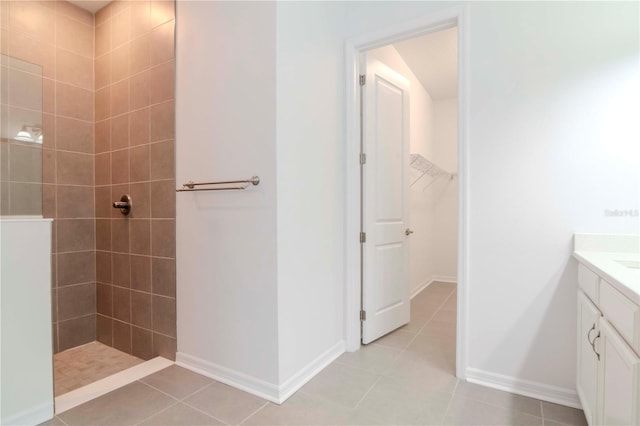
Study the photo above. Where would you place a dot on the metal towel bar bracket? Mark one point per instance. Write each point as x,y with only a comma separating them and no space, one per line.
191,186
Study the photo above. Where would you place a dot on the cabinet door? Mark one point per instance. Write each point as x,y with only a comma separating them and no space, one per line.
620,379
587,374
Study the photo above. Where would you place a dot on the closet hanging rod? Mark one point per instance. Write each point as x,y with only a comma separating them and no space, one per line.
191,186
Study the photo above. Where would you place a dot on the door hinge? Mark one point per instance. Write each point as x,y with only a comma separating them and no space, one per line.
363,237
363,80
363,158
363,315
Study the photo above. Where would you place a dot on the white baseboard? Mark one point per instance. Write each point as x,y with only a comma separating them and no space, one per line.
427,283
269,391
33,416
562,396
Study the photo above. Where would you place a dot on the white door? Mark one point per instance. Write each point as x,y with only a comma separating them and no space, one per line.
385,297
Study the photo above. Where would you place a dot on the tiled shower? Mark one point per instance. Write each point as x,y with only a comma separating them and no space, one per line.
108,129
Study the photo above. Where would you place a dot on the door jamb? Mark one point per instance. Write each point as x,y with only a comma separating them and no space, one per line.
456,16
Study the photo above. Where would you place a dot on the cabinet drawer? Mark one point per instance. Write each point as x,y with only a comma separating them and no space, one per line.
588,281
622,313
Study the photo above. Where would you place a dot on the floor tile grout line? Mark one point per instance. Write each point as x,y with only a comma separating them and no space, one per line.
453,392
255,412
158,412
184,401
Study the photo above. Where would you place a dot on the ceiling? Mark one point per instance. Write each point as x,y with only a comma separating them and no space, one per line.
433,59
91,5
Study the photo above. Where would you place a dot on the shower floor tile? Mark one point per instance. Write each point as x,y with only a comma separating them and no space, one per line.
77,367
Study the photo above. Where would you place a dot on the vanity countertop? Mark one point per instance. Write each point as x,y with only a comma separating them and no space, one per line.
616,258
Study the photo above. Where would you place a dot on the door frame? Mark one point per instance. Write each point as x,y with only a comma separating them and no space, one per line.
448,18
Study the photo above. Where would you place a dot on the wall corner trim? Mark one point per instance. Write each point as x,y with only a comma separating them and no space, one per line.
269,391
562,396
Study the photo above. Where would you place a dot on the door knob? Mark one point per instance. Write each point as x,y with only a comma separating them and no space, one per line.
408,231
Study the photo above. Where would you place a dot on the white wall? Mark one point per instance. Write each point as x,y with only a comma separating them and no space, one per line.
541,77
226,240
444,191
422,128
310,158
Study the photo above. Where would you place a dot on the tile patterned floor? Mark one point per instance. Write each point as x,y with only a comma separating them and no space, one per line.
77,367
405,378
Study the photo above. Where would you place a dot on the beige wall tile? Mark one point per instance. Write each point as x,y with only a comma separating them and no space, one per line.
74,69
103,136
163,276
25,163
103,38
74,12
120,22
141,273
139,86
48,131
163,237
162,160
103,169
140,236
103,201
103,234
74,169
122,304
163,199
140,18
164,315
164,346
103,15
162,121
121,270
120,166
139,163
120,98
74,36
48,96
74,102
75,235
104,299
74,135
102,67
49,201
103,266
75,201
31,18
120,63
76,332
104,330
32,50
162,82
25,89
140,193
162,43
103,103
120,132
76,301
162,11
140,54
139,129
25,198
141,310
122,336
141,342
76,268
120,235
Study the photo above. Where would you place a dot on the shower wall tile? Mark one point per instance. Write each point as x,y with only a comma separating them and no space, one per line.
24,46
76,332
74,102
139,62
75,201
103,202
104,330
103,234
104,299
73,12
75,235
141,273
141,343
76,268
76,301
103,169
49,201
103,266
74,135
162,79
74,69
48,131
162,121
74,36
74,169
31,18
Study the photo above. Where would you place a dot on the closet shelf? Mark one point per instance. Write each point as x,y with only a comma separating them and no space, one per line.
426,167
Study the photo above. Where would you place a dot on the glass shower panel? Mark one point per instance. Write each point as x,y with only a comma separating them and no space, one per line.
21,137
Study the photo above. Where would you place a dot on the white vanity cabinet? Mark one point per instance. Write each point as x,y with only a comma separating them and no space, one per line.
608,367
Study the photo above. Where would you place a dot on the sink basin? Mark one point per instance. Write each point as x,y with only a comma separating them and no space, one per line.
631,264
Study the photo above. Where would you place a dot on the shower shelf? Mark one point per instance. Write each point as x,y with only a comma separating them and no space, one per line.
426,167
